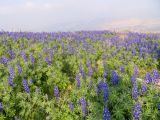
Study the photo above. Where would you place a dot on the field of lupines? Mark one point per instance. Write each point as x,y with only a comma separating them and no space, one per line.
85,75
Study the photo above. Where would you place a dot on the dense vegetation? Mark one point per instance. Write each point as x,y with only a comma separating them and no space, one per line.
85,75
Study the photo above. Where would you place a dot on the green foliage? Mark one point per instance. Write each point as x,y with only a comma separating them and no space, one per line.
41,103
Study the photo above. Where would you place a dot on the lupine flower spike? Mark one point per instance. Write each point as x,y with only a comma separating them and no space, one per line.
25,86
83,106
106,114
137,111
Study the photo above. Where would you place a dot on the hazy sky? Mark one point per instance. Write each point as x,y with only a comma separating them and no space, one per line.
69,15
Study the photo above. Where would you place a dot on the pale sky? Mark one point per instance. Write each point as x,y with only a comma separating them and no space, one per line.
70,15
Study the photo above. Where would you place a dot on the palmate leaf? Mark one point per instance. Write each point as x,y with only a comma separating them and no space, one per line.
118,113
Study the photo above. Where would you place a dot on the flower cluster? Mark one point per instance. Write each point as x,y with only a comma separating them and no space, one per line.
99,86
25,85
106,114
134,91
32,59
155,77
11,72
122,69
105,91
19,68
143,88
105,73
137,111
83,106
23,55
4,60
135,71
133,79
148,77
90,71
103,86
11,54
47,60
78,80
70,106
151,77
10,81
81,71
56,92
115,78
80,68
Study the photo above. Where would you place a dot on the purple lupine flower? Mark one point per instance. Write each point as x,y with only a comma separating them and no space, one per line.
70,106
105,91
106,114
134,91
102,86
88,63
120,58
122,69
25,85
11,54
148,77
51,52
4,60
10,81
90,84
22,46
115,78
47,60
19,68
70,50
134,52
78,80
137,111
80,68
83,106
140,52
81,71
1,107
90,71
56,92
135,71
159,107
32,59
99,86
118,48
105,73
143,88
23,55
133,79
155,75
11,72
